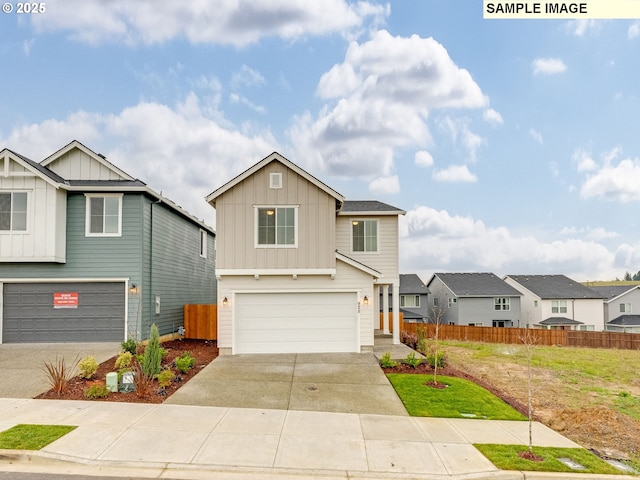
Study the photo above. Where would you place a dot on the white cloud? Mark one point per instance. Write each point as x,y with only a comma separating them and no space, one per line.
462,135
246,77
179,151
617,182
423,159
634,30
581,27
379,99
385,185
590,233
455,173
548,66
537,136
235,98
236,23
583,160
492,116
433,240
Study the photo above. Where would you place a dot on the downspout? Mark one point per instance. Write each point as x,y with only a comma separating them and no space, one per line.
152,308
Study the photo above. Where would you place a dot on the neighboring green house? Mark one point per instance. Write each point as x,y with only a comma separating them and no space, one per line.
88,253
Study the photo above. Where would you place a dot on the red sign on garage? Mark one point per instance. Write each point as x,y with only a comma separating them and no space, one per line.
65,300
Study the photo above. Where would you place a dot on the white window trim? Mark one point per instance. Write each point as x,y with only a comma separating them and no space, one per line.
27,230
623,307
87,221
275,180
504,307
404,296
255,226
560,305
204,240
365,252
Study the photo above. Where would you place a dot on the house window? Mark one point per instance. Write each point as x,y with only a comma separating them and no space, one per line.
275,180
452,300
276,226
411,301
436,302
364,234
502,303
535,303
625,308
13,212
104,216
558,306
203,243
587,328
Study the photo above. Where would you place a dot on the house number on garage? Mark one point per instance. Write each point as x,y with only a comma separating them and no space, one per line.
65,300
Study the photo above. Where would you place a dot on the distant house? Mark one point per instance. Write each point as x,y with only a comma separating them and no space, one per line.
300,268
90,254
413,299
479,299
621,307
556,302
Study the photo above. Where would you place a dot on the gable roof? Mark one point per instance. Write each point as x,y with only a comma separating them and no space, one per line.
274,157
611,292
34,167
368,207
555,287
627,320
475,285
411,283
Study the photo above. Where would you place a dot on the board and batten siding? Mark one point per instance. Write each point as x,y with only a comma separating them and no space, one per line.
77,165
347,278
386,259
236,223
44,239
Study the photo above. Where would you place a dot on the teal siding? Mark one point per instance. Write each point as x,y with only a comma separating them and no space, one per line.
160,255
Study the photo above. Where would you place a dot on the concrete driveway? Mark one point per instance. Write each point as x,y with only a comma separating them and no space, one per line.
325,382
21,373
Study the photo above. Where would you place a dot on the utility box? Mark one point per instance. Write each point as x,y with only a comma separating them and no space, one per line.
112,381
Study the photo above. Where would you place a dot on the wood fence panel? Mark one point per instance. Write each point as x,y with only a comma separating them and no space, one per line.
380,326
201,322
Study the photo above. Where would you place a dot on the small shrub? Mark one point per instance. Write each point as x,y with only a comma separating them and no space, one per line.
431,359
412,361
143,383
88,367
421,342
409,339
96,391
165,377
152,358
58,374
387,362
130,345
124,360
185,362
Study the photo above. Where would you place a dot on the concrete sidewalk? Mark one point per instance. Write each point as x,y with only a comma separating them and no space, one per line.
178,441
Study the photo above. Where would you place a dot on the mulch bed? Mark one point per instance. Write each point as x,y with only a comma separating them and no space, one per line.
203,351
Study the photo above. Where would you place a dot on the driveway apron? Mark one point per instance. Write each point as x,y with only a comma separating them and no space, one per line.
324,382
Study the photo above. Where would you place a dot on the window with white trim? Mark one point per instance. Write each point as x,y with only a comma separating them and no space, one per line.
104,215
411,301
502,304
275,180
13,211
203,243
625,308
364,235
276,226
558,306
452,301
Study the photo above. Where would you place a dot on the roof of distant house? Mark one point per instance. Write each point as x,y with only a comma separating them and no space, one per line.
475,285
627,320
610,292
411,283
554,287
560,321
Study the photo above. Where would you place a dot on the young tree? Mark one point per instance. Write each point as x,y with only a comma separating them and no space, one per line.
529,339
436,316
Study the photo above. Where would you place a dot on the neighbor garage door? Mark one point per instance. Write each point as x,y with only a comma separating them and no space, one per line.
63,312
296,322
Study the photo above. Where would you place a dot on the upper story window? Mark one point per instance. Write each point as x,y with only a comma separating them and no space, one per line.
104,215
13,211
558,306
364,235
502,303
276,226
275,180
203,243
411,301
625,308
452,301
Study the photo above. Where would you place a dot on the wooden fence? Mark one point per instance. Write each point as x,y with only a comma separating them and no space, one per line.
380,326
201,322
565,338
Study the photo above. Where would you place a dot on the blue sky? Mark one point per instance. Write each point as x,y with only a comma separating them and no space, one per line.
513,145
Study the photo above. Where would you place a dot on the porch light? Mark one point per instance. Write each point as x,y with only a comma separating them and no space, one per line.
355,222
133,290
270,212
225,302
365,301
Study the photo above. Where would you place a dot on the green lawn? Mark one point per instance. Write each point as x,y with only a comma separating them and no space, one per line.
505,457
461,399
32,437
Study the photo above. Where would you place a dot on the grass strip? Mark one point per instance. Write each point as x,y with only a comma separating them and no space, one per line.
460,399
32,437
505,457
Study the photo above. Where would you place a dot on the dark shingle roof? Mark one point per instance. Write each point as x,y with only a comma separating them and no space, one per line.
477,285
560,321
626,320
610,292
358,206
411,283
43,170
107,183
554,286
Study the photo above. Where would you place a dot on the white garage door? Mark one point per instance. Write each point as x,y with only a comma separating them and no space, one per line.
296,323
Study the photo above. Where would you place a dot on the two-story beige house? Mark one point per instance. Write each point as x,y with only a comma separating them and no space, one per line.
299,268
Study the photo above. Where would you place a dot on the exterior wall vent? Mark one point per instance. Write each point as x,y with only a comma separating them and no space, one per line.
275,180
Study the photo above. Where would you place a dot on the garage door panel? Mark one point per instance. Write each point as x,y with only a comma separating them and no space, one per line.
296,322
